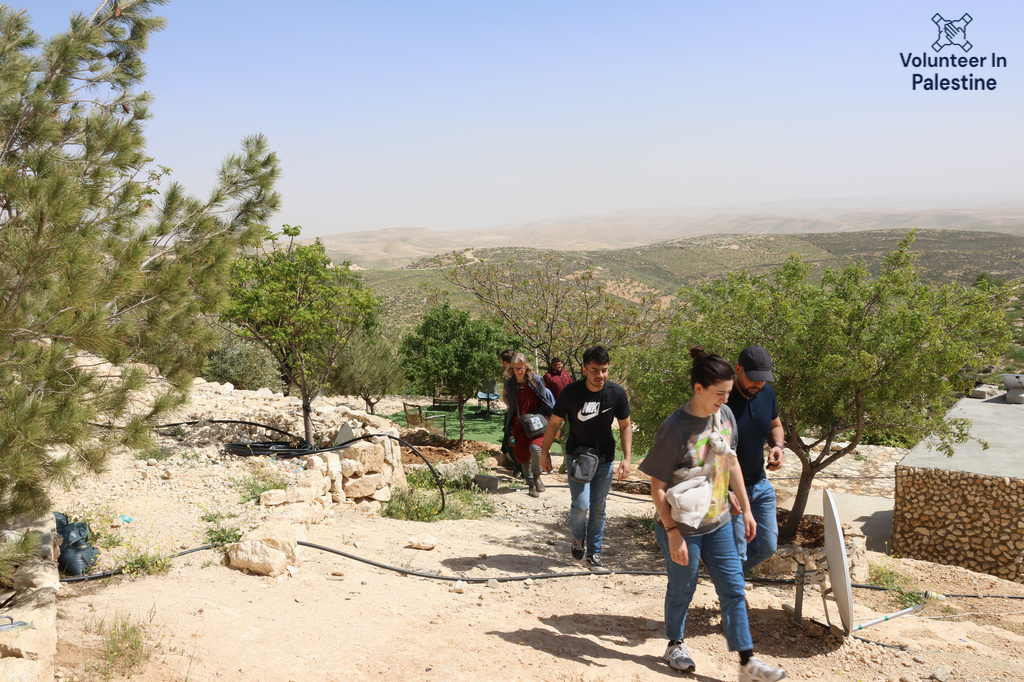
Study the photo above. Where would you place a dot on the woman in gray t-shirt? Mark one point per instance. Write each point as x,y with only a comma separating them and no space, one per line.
697,445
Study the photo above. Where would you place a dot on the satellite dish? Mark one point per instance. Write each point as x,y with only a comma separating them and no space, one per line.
839,577
838,566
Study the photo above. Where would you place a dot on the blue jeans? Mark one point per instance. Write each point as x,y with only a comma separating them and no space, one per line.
590,497
718,549
764,544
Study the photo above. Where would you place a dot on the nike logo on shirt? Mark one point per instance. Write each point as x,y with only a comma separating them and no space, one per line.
590,410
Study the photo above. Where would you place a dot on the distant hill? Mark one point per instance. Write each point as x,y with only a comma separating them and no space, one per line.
943,256
398,247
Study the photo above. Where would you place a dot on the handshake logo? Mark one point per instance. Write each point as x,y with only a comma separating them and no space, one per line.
952,32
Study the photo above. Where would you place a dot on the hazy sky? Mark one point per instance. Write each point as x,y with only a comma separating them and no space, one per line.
453,115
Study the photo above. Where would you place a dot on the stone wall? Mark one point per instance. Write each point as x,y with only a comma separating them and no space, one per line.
960,519
361,474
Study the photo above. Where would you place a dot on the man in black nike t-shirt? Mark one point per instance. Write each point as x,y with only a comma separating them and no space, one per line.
591,405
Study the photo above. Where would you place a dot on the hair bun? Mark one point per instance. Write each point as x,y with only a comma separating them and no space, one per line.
698,353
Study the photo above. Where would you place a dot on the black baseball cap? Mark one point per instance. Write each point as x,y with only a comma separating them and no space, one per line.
757,364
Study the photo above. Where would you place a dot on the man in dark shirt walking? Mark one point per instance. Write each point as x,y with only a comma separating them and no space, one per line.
753,403
590,405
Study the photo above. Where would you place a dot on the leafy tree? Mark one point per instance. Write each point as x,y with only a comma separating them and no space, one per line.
556,312
93,264
301,307
370,367
854,356
449,348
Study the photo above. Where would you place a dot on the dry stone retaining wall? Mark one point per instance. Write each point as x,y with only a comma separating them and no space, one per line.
362,474
960,519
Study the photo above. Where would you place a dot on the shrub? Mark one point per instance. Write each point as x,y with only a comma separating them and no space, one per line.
123,646
146,562
258,482
223,536
902,589
421,500
242,363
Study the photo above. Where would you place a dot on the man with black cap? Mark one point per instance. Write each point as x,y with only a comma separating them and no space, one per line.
752,402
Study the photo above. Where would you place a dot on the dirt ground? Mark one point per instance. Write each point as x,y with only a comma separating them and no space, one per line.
341,619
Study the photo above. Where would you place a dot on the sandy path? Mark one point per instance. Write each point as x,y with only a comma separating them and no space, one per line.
339,619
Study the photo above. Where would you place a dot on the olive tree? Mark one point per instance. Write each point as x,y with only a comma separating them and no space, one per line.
554,310
854,356
370,367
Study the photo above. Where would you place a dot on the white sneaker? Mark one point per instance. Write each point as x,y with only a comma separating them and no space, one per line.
757,670
678,656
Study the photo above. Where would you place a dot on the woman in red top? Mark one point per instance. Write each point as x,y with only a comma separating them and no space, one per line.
520,377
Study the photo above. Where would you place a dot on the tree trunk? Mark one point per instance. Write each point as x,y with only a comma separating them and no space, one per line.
462,423
788,529
307,416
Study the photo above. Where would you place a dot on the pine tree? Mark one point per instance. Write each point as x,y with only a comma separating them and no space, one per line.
93,262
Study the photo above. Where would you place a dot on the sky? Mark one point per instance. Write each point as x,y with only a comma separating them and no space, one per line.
457,115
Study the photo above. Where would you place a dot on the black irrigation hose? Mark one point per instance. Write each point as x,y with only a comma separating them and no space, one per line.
119,571
230,421
501,579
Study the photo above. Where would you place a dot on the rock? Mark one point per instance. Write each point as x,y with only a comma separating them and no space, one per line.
984,391
941,674
256,557
368,506
458,587
370,455
280,536
364,486
351,467
650,626
317,462
316,480
493,584
272,498
423,542
301,494
300,512
37,574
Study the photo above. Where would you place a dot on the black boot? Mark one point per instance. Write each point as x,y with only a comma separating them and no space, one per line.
531,480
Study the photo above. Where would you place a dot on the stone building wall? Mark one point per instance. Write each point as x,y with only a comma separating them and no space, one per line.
960,519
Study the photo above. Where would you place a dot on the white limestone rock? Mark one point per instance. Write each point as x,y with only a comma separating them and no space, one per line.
426,542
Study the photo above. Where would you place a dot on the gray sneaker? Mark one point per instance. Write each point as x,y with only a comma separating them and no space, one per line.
757,670
595,563
678,656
